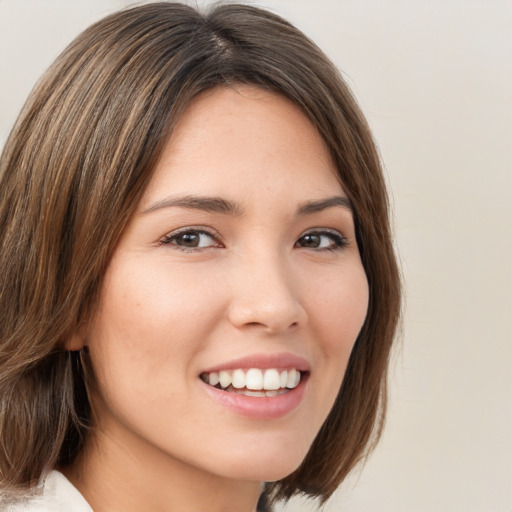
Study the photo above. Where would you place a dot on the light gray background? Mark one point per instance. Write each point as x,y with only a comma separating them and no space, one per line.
435,80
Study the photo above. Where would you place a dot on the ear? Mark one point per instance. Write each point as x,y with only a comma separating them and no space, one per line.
74,342
77,339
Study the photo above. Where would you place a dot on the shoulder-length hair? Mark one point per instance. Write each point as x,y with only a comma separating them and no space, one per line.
73,170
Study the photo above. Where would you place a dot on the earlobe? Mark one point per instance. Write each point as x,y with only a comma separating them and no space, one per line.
75,342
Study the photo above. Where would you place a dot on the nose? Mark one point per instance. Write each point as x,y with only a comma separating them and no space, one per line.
265,296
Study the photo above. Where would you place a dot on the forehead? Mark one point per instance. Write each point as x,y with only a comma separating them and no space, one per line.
229,139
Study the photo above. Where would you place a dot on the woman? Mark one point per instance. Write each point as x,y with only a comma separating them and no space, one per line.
199,292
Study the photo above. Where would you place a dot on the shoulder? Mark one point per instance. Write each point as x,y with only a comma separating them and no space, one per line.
55,494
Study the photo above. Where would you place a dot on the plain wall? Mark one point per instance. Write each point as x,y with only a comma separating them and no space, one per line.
435,81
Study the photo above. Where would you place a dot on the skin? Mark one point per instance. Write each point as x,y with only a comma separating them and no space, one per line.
256,284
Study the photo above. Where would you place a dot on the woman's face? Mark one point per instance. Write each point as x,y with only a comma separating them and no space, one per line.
240,264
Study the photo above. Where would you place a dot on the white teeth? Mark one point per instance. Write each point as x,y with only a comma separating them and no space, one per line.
213,379
254,379
261,382
283,379
238,381
254,393
271,380
259,394
224,379
292,381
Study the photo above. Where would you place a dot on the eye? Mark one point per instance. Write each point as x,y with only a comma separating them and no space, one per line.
190,238
322,240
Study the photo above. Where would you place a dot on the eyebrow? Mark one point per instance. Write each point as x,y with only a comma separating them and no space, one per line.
224,206
311,207
207,204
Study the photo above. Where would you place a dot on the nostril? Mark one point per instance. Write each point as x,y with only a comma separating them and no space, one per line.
275,313
293,325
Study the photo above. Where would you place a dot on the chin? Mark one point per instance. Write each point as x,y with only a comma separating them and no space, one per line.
264,467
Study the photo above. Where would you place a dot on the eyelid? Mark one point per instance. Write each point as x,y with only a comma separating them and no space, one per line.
166,240
322,231
339,239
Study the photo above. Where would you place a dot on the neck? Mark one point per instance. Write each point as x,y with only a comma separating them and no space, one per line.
114,476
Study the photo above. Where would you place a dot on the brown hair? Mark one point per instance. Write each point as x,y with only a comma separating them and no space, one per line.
74,168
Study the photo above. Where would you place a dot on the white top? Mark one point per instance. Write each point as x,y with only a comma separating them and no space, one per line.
57,494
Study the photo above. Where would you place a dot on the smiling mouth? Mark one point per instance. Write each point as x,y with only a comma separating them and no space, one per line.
254,381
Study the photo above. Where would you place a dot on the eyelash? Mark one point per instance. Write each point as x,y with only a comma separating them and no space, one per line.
338,241
172,237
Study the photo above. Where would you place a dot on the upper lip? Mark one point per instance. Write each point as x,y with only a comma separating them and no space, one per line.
281,360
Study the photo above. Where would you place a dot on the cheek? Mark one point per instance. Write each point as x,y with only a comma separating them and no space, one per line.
148,327
144,308
338,310
337,313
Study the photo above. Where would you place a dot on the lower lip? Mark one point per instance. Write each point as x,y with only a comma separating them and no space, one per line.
261,408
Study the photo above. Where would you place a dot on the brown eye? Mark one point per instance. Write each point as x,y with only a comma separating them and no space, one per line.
322,240
312,241
190,239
